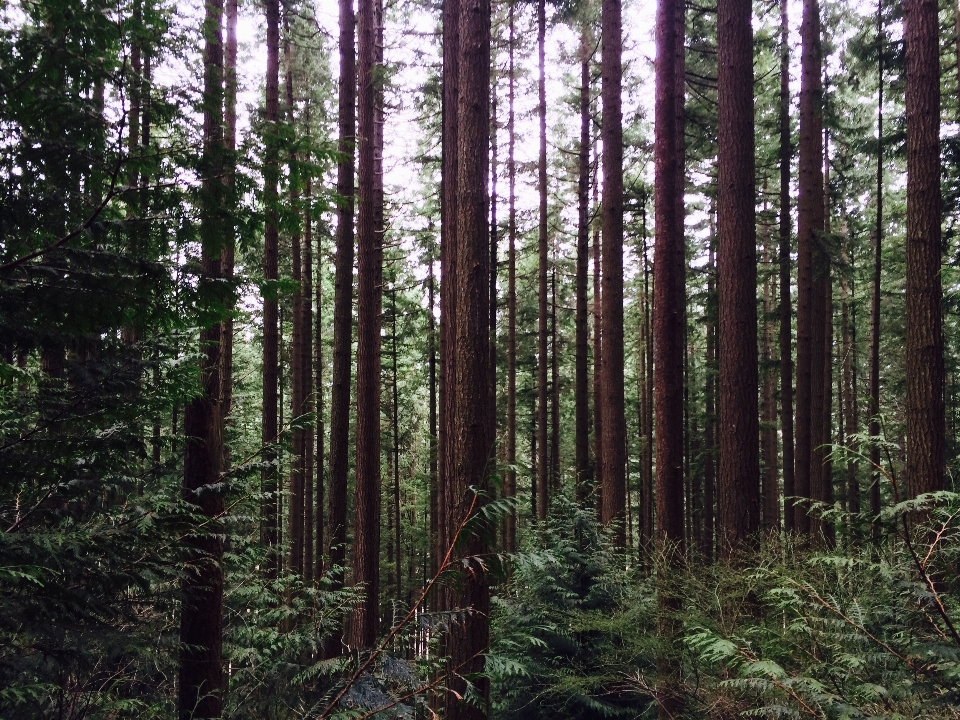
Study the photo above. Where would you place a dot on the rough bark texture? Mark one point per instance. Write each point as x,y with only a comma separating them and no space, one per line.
543,467
612,408
874,407
271,315
342,299
786,309
707,541
582,390
366,545
668,337
295,515
510,489
668,305
925,438
810,324
473,427
739,477
200,680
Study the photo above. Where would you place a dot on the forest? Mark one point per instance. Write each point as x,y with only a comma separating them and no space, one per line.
473,359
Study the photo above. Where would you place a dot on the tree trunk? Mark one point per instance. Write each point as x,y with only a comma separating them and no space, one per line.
581,401
342,301
554,387
850,419
707,541
295,517
543,466
395,421
200,680
810,296
597,353
230,146
473,427
739,477
874,425
319,405
271,314
786,309
306,275
612,407
510,489
768,433
669,310
924,354
366,556
647,408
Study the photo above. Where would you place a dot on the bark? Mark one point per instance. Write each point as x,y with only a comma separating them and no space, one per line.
543,468
307,368
771,484
554,387
473,426
668,337
230,146
738,479
597,353
366,556
295,516
874,427
786,309
342,301
707,541
612,407
510,489
925,438
668,280
200,680
581,392
810,295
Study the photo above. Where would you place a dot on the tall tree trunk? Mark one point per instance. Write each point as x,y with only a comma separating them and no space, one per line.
810,295
295,517
581,402
230,146
924,354
200,680
668,281
342,301
306,274
768,433
510,490
786,309
366,556
543,466
739,477
827,494
270,511
448,258
320,547
668,332
707,541
612,408
435,508
647,409
473,427
395,421
597,351
850,418
554,386
874,426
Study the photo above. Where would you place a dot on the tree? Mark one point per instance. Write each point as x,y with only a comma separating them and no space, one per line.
201,615
583,474
366,554
612,409
810,268
543,466
471,440
343,296
924,321
786,311
271,313
739,476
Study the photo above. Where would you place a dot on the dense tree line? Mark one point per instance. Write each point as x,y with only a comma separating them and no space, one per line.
555,359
